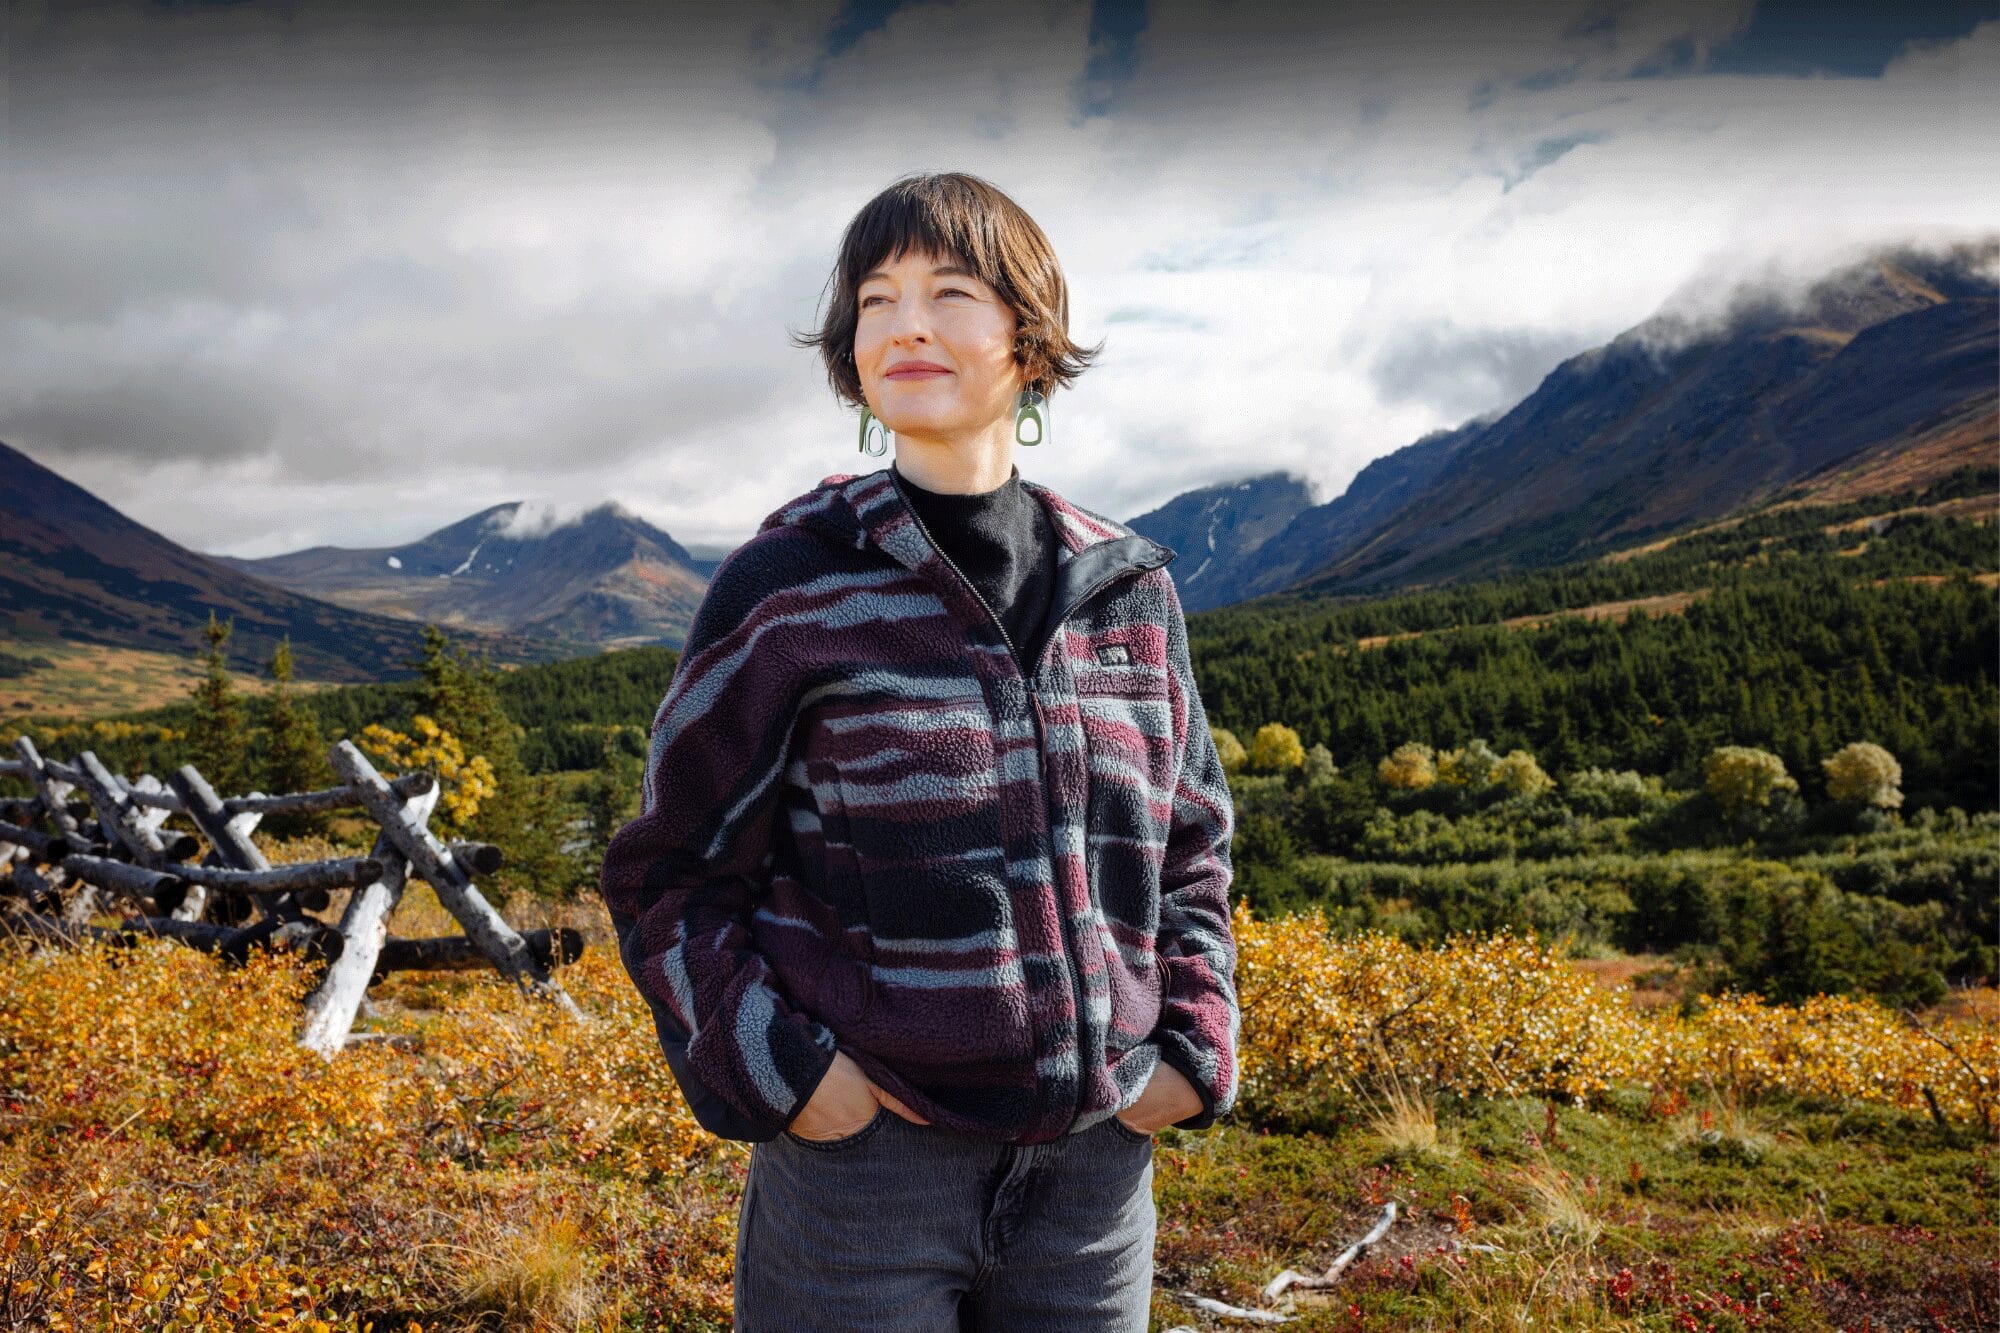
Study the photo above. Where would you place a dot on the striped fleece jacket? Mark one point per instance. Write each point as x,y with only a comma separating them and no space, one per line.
1000,887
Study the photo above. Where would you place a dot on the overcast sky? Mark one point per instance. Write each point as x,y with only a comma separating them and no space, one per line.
274,275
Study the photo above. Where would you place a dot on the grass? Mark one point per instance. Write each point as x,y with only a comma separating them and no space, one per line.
541,1276
72,680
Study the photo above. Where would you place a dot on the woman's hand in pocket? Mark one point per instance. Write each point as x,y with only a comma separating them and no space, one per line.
1167,1099
844,1102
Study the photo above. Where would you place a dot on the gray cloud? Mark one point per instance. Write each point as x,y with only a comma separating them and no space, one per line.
350,272
1464,372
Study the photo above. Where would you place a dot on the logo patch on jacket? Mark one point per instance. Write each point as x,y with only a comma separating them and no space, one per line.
1114,654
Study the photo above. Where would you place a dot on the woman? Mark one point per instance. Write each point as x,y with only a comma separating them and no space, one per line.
929,891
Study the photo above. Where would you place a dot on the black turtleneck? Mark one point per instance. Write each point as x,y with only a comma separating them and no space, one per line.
1003,541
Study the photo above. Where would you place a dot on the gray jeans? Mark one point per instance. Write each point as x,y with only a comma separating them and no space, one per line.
908,1228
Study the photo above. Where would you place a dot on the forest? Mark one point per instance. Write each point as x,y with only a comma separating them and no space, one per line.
1789,635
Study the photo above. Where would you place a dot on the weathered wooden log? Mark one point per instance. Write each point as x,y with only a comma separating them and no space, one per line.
24,881
52,792
68,774
1291,1278
331,798
122,877
143,790
46,848
127,825
229,842
313,938
17,811
304,877
364,926
116,812
478,858
456,953
455,889
165,802
13,768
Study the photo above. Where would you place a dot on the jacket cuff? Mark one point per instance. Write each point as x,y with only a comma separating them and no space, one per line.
1177,1051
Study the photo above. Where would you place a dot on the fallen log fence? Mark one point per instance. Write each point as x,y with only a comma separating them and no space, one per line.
88,839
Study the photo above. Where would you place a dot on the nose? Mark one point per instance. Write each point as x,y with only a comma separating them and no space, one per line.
909,323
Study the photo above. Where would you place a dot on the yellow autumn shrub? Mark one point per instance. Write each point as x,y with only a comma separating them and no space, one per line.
1326,1015
464,781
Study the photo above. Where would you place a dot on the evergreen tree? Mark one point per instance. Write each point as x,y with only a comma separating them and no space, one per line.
461,695
216,741
611,800
294,757
526,816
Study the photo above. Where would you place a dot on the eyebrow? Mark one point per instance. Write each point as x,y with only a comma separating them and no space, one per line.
941,271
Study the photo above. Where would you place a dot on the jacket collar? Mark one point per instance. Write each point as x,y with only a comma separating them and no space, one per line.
868,509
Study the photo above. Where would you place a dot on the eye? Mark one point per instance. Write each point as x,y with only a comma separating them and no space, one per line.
867,300
954,291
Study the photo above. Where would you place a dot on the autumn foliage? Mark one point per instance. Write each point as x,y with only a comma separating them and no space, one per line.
169,1158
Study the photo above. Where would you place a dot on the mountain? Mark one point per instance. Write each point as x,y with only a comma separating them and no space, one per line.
1220,527
1880,374
607,577
73,567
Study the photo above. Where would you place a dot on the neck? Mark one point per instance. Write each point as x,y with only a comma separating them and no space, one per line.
966,465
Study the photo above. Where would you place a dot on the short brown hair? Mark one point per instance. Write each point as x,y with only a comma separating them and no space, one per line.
971,221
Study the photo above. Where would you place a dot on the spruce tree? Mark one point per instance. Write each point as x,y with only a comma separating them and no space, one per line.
294,756
215,737
526,817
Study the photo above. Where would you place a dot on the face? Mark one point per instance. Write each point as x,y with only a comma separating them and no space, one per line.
935,350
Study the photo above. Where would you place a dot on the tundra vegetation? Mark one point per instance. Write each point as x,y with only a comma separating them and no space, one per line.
1643,959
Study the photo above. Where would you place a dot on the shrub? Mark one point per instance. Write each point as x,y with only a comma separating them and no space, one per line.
1471,767
1408,767
1864,773
1520,775
1276,747
1319,766
1743,780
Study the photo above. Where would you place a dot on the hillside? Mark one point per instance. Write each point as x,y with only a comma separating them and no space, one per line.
1877,379
1794,629
607,578
1217,528
72,567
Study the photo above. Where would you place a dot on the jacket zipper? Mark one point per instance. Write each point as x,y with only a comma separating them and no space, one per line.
1070,945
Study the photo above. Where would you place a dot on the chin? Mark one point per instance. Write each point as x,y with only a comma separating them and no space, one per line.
921,422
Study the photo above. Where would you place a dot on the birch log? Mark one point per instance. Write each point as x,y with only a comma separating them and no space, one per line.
331,1008
122,877
332,798
455,889
125,821
455,953
50,849
230,843
54,797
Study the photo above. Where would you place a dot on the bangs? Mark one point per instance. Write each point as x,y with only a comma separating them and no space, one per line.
898,222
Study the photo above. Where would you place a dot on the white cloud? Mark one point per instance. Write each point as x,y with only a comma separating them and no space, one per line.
351,290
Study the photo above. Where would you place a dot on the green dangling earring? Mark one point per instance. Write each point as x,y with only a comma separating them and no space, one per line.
873,432
1031,417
